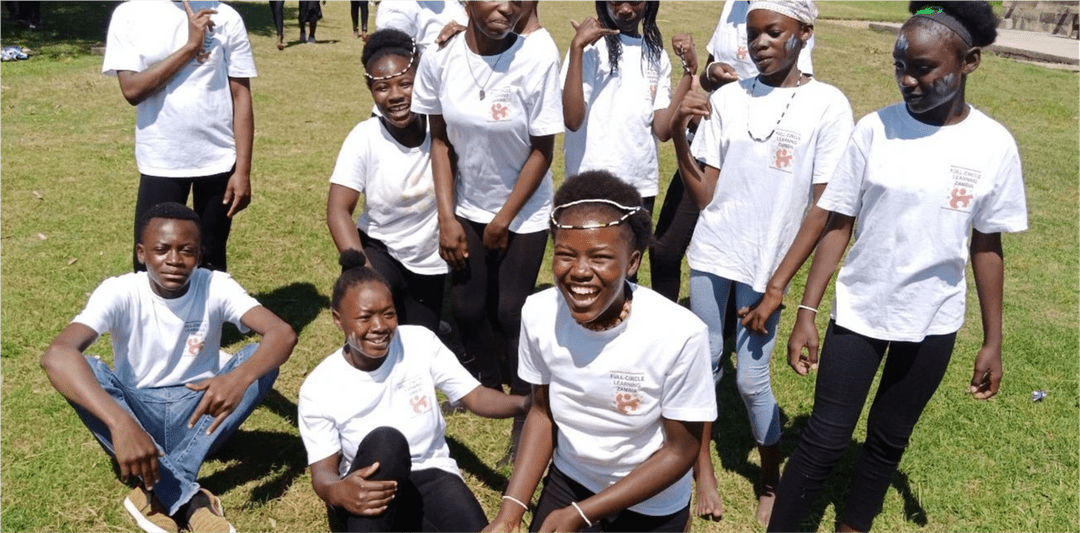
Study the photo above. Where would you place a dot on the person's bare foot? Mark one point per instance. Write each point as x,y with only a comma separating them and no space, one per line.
764,507
770,478
356,33
363,36
281,43
707,502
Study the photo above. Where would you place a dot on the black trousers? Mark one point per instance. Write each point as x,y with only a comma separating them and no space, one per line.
357,10
847,367
560,490
426,500
277,12
207,193
417,298
674,228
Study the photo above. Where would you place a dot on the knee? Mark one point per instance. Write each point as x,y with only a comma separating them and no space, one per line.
388,447
753,384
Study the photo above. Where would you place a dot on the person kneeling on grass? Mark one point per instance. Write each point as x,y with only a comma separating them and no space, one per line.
171,397
371,423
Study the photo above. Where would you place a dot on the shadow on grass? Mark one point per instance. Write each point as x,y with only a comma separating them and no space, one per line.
297,303
274,459
469,462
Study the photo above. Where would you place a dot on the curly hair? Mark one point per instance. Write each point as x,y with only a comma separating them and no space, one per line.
653,41
603,185
387,42
354,271
976,17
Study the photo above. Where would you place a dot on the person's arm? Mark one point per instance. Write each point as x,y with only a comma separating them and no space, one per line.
340,204
138,86
573,97
355,492
755,316
224,391
684,48
532,173
238,191
534,454
66,367
988,266
699,182
490,403
829,251
674,458
453,247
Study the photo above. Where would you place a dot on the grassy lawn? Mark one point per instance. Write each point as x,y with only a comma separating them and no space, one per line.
69,185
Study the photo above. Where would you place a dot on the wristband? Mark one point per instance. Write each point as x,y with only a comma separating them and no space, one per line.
515,500
582,513
708,71
808,308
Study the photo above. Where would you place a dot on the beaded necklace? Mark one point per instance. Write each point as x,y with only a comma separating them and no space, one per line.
753,89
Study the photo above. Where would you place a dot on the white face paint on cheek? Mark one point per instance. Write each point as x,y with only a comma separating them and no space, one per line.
943,85
791,43
901,44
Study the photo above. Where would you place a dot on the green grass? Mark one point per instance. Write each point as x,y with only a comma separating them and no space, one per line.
66,157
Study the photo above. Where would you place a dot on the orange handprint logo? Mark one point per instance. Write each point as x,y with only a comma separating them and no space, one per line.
419,404
960,198
627,403
499,111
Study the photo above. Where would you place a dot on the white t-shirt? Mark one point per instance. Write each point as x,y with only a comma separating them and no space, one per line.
340,404
491,136
608,390
764,188
186,129
616,134
399,195
163,342
728,43
917,191
423,21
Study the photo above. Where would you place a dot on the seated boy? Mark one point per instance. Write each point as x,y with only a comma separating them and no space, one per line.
170,400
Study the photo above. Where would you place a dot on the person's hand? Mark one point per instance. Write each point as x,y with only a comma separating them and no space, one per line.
694,104
565,519
237,193
453,247
588,32
803,335
502,524
721,74
362,496
135,452
199,23
221,394
987,375
683,45
448,32
756,316
496,235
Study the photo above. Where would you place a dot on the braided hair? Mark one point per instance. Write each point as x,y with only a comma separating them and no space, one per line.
654,43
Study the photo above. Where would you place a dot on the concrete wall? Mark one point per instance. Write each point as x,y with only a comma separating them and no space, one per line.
1057,18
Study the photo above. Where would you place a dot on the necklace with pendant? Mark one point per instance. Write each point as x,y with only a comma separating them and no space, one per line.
483,93
753,90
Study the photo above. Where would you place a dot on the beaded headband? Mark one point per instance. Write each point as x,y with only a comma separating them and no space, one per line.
412,59
938,14
628,212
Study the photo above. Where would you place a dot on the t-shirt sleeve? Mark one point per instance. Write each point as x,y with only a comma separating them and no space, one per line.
1005,208
545,98
844,193
106,307
428,85
663,84
447,373
317,428
120,50
233,300
832,136
351,167
688,393
238,56
531,365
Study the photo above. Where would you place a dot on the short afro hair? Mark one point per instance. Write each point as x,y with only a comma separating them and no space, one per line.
977,18
603,185
354,271
169,210
387,42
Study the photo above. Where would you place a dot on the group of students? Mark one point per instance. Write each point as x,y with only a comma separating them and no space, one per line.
609,381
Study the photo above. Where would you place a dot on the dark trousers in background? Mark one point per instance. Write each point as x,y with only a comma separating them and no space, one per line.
207,195
674,228
417,298
277,12
849,362
357,10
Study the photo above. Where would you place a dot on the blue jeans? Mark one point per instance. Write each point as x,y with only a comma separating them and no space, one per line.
708,300
164,413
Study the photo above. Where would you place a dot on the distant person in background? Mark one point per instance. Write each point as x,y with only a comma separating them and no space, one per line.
28,13
277,11
359,13
309,13
423,21
187,74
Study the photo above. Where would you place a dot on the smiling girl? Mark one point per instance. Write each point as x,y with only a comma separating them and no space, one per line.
371,423
619,373
930,183
388,159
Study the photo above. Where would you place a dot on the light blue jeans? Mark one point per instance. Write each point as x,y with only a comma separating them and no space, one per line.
164,413
708,300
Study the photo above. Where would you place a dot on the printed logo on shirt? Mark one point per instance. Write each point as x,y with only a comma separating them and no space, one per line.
194,345
742,52
627,387
784,142
499,111
961,196
418,397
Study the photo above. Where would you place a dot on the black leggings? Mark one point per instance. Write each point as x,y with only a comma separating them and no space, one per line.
560,490
207,193
426,500
277,12
674,228
417,298
362,7
487,296
849,361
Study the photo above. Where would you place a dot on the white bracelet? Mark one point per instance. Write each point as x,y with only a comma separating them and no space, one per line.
708,70
582,513
515,500
808,308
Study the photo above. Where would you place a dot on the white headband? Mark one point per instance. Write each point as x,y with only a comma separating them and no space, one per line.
804,11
